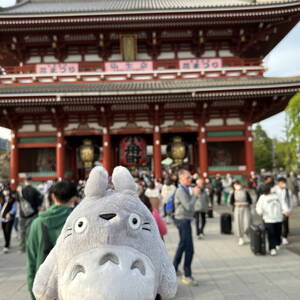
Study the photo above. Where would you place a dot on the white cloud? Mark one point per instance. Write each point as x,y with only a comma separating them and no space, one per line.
5,3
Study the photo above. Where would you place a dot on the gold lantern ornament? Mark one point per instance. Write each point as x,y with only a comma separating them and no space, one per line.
87,153
177,150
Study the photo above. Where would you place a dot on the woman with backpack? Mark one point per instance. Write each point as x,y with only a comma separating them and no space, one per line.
272,209
8,209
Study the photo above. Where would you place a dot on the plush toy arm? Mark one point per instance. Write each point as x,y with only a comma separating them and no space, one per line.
168,284
45,282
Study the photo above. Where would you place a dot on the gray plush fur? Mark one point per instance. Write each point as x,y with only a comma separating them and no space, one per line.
99,259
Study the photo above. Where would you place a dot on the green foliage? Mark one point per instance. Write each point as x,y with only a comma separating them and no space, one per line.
285,156
293,118
262,147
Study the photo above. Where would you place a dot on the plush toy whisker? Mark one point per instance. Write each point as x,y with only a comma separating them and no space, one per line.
146,229
69,234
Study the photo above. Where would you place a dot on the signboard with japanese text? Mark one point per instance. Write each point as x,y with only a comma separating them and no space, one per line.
57,68
133,151
206,63
120,66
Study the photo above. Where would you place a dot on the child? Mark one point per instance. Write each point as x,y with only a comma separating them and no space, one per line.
272,209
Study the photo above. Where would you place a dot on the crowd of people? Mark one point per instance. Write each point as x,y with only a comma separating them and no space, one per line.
38,213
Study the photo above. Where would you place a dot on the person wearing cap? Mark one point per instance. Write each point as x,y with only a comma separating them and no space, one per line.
46,228
33,199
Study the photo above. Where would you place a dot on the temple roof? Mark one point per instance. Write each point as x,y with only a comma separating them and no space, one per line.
152,87
37,7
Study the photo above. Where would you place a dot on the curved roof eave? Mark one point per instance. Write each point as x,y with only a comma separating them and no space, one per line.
22,9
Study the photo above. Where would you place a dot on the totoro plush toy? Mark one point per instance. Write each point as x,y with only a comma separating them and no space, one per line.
109,248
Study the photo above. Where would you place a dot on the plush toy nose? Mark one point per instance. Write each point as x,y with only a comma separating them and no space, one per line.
107,216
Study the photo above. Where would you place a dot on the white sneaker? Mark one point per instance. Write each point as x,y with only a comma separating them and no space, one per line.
201,236
285,242
5,250
189,281
241,242
273,252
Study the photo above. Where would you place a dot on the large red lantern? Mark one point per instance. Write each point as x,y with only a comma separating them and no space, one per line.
133,151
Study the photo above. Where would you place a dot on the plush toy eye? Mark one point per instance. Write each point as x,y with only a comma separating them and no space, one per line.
81,225
134,221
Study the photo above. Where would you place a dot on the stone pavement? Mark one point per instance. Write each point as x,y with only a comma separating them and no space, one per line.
225,271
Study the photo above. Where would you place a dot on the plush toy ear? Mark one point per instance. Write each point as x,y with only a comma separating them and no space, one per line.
123,181
97,183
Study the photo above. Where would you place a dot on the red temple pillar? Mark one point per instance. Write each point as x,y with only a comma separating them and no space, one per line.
249,148
106,150
74,165
157,153
202,145
60,156
14,161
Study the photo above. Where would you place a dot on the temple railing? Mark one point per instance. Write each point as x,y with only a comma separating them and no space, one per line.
163,64
231,72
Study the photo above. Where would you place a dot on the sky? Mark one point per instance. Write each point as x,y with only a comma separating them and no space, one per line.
282,61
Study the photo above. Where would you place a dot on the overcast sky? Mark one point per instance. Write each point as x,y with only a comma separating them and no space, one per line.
282,61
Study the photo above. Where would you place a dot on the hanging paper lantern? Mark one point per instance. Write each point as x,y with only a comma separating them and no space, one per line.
133,151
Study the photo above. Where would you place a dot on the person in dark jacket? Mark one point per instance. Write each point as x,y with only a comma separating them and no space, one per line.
46,228
218,188
33,199
260,189
8,209
201,208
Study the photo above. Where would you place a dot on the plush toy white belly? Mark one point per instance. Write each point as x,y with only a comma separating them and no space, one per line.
109,273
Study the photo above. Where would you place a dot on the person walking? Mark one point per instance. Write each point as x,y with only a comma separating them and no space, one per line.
272,210
210,191
167,191
184,211
268,179
30,202
46,228
241,202
292,185
218,187
201,207
285,196
8,209
227,183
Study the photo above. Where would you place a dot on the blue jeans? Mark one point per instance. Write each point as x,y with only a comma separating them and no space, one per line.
185,245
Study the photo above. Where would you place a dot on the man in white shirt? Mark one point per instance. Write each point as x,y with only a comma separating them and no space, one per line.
285,197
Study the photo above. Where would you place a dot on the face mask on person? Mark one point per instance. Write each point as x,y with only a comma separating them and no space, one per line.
238,187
